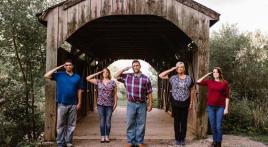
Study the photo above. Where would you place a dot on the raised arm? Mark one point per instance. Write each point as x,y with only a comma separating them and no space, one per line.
48,75
117,75
164,74
202,78
91,78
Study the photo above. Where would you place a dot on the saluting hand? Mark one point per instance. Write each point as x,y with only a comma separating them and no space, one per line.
173,68
127,68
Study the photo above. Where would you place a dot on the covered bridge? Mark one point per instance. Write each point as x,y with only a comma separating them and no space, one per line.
161,32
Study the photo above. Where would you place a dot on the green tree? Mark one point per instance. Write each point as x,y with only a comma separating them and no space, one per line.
22,45
244,59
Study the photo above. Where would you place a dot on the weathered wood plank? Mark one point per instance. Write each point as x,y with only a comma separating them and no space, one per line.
131,4
51,62
123,6
179,14
72,20
154,7
170,8
95,9
139,7
88,10
106,7
82,13
62,26
115,7
164,8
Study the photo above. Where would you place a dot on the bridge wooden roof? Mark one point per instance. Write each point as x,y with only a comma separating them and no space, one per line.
190,3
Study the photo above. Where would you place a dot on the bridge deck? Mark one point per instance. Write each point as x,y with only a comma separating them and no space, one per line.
159,132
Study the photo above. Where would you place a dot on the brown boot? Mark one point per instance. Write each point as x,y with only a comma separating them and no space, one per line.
213,144
218,144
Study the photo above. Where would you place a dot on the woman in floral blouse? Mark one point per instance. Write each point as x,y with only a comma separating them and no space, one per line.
106,102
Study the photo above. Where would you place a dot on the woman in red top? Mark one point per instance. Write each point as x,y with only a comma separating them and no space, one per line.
218,102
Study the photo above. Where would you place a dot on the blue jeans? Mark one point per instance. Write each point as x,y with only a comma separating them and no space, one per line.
105,113
215,115
66,122
136,121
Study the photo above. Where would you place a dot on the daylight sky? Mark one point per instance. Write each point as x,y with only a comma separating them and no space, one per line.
249,15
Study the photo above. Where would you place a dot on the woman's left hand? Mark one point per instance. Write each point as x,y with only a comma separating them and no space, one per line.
226,111
190,107
115,105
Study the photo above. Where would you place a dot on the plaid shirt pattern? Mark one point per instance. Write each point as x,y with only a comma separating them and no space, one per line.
138,87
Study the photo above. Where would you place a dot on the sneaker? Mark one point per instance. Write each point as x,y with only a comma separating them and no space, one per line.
183,142
178,142
213,144
107,140
102,139
69,145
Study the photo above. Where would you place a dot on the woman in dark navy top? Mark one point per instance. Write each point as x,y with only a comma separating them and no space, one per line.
218,102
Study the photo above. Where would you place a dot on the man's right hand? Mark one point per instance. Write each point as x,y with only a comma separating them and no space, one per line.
127,68
48,75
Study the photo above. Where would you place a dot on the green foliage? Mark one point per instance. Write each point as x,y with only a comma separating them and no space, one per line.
244,60
22,58
261,138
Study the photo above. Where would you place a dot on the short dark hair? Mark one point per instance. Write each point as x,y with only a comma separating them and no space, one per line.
69,60
136,61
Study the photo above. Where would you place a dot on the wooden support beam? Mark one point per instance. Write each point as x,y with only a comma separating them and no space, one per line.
50,87
201,67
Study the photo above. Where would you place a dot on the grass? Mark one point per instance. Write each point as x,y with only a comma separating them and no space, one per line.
260,138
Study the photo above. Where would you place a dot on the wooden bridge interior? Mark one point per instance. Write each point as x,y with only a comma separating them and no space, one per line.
160,32
105,40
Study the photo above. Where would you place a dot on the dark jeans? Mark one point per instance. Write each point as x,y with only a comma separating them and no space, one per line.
105,114
215,115
180,122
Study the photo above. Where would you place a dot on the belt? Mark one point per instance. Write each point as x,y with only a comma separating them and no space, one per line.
137,102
